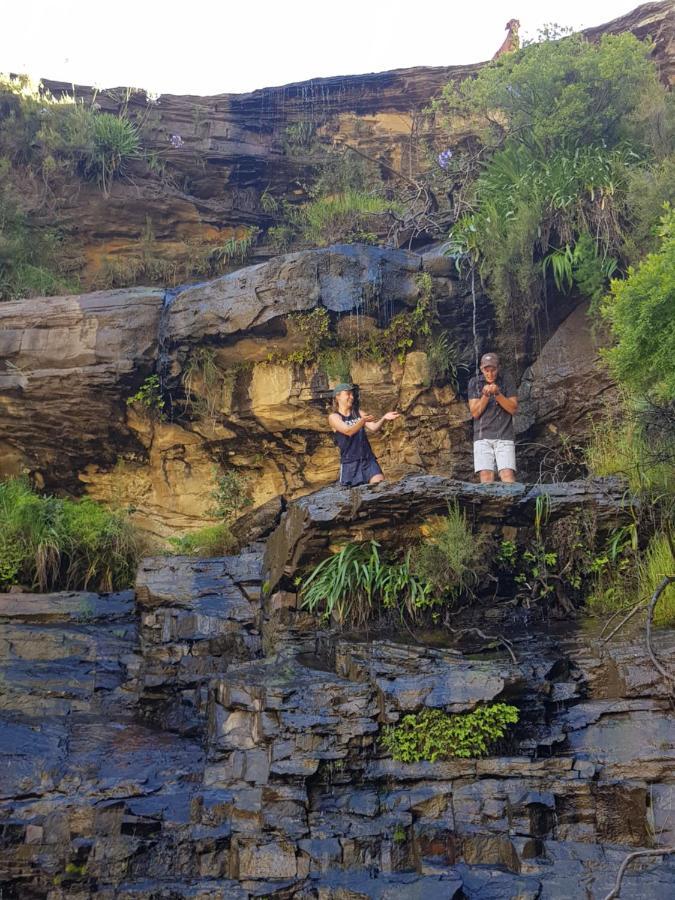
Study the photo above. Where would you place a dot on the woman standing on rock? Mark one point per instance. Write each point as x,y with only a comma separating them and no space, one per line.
357,460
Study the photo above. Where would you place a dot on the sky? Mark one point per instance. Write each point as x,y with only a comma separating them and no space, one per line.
220,46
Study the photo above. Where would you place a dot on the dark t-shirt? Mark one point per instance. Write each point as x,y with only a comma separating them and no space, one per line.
356,447
495,424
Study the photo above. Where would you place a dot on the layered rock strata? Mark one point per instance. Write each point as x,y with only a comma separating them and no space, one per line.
186,755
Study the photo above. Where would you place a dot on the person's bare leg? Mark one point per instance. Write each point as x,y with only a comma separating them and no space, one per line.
507,475
376,479
486,476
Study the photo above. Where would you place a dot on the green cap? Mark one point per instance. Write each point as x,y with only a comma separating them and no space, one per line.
343,386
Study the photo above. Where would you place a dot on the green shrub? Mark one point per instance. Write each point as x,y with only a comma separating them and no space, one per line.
641,314
356,583
52,544
443,357
149,396
231,495
450,558
433,734
114,141
212,540
327,220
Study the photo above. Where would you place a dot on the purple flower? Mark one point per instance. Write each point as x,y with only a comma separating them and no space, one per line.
176,141
444,158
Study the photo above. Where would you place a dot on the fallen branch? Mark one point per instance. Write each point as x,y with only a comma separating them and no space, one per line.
664,851
669,579
496,641
636,608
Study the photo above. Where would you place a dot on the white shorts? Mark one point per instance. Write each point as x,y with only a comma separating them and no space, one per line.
487,454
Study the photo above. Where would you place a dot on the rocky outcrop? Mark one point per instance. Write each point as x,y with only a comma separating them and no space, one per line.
393,513
209,189
563,397
66,366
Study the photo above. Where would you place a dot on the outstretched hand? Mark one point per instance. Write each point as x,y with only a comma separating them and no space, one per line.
391,415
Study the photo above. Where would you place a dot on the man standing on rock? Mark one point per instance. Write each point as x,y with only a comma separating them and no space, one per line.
493,403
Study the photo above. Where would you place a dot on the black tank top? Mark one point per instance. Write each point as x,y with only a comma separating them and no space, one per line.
356,447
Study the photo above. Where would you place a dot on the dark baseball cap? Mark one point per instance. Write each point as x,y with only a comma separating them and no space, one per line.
489,359
343,386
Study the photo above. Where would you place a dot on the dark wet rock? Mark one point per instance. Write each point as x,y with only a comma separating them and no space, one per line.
409,678
390,511
153,751
197,618
561,393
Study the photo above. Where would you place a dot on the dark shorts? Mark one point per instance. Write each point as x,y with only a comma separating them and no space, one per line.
359,472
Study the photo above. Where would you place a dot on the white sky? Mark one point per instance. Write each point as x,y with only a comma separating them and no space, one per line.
231,46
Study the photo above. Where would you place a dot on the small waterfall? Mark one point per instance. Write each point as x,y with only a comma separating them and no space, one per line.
473,320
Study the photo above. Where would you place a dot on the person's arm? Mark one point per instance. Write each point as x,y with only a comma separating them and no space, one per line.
337,424
387,417
510,404
477,407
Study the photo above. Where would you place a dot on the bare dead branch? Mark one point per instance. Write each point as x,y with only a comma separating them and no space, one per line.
663,851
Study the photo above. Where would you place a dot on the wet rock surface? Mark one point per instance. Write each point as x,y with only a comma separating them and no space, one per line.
204,738
392,511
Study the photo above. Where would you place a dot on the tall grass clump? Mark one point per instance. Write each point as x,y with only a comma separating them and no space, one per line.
657,562
211,540
451,557
50,544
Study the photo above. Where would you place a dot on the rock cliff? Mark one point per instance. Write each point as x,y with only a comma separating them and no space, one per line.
208,739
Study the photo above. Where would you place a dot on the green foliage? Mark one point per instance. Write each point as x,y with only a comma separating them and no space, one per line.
443,358
355,583
231,495
641,314
621,447
314,328
29,256
212,540
657,562
203,377
235,250
562,125
650,187
433,734
341,217
530,206
568,91
149,396
62,135
52,544
113,141
450,558
399,336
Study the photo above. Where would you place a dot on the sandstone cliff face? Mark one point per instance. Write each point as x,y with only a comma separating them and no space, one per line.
210,189
236,399
69,365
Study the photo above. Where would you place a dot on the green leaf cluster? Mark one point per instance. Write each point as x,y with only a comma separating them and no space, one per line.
149,396
231,496
433,734
212,540
357,582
